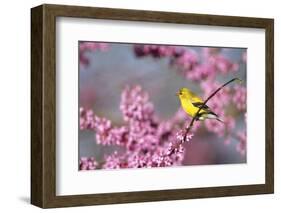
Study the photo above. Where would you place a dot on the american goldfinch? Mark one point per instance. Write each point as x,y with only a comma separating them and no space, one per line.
191,104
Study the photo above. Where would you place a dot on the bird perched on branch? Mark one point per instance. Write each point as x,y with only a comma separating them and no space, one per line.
191,104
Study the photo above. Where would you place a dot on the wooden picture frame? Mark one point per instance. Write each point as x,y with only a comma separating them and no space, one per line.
43,105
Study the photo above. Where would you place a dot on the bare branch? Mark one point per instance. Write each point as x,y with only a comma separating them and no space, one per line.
204,104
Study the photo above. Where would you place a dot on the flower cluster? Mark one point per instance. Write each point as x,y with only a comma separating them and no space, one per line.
156,51
191,65
86,119
87,163
240,97
241,146
146,141
106,134
85,47
170,154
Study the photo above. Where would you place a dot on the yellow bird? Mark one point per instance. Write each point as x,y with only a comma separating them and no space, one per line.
191,104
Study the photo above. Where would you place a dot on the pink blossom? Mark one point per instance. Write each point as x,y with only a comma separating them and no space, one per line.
87,163
135,105
215,126
240,97
138,111
176,145
193,68
212,63
221,98
93,46
229,123
149,160
86,119
227,140
88,47
222,129
115,161
148,142
202,71
209,51
223,64
172,155
106,134
156,51
242,145
187,60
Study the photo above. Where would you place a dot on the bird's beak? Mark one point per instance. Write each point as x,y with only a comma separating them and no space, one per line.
177,94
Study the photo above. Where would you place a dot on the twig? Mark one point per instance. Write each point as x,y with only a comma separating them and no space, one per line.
204,104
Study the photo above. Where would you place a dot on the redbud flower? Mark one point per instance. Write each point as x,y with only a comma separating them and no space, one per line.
86,119
87,163
242,145
240,97
148,142
85,47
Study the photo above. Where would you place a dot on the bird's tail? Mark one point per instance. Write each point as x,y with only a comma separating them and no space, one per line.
212,115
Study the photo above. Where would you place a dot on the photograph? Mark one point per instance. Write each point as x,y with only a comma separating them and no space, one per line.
141,105
158,105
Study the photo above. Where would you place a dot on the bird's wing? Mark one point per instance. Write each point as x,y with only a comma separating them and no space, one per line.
204,107
200,104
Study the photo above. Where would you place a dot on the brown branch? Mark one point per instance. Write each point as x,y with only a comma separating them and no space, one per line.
204,103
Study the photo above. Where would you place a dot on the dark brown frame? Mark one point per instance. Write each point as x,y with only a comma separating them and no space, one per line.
43,105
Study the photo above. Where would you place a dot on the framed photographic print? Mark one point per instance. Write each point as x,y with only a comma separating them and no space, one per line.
136,106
